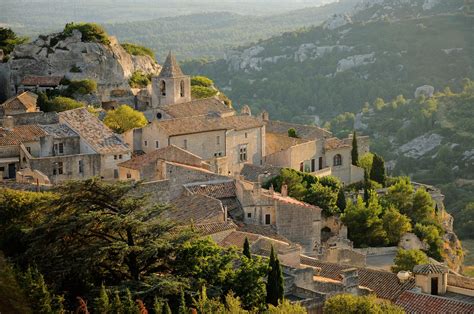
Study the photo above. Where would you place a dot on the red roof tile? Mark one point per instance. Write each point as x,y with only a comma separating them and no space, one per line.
214,189
420,303
20,134
36,80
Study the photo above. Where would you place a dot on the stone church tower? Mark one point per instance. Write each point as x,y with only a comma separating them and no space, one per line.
171,86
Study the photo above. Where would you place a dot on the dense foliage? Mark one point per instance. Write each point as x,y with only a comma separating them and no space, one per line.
124,118
101,246
59,104
350,304
81,87
8,40
407,259
91,32
137,50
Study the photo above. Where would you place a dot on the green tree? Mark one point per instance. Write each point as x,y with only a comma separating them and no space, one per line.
350,304
407,259
183,309
377,173
275,280
354,151
137,50
431,235
246,250
401,195
61,103
139,79
37,292
117,306
324,197
129,306
366,187
81,87
8,40
292,133
366,161
286,307
167,309
341,200
248,283
124,118
395,225
198,92
423,207
91,32
102,303
201,81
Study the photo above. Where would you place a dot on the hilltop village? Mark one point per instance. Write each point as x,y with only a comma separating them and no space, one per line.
217,168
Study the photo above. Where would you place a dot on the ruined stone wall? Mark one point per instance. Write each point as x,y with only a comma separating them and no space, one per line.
461,281
158,191
35,118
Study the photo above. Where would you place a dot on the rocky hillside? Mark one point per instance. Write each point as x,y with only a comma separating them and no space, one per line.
379,49
75,59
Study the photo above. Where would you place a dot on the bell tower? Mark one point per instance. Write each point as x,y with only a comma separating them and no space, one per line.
171,86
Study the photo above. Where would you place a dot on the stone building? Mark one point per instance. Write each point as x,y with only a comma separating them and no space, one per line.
22,103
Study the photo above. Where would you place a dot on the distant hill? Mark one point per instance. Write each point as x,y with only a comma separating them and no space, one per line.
375,50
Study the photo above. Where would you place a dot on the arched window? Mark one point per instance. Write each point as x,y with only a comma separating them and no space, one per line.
181,88
159,115
163,88
337,160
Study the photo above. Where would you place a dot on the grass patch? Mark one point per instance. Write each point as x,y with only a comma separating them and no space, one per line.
137,50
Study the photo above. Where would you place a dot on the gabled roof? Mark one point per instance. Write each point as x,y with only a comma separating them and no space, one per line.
169,153
251,172
93,131
170,68
25,101
430,269
213,189
335,143
195,208
37,80
59,130
309,132
386,285
214,227
20,134
413,302
198,107
200,124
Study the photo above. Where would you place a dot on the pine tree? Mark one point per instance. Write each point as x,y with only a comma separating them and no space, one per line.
167,309
102,303
38,294
378,170
128,304
246,250
183,309
354,152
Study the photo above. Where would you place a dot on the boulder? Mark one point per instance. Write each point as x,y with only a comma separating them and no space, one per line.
425,90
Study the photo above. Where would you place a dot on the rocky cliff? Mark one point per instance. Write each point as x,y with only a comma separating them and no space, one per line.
109,65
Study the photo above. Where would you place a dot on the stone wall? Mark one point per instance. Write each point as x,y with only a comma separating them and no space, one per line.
344,256
38,117
158,191
461,281
377,250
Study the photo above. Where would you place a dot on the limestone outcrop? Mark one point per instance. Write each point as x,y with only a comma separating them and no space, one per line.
109,65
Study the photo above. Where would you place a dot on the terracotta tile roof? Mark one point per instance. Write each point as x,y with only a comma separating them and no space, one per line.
334,143
385,284
214,227
237,238
251,172
36,80
420,303
171,67
25,101
286,199
213,189
200,124
267,231
310,132
195,209
20,134
93,131
169,153
198,107
430,269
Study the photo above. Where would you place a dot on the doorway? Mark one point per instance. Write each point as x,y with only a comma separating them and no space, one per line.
434,286
11,171
320,163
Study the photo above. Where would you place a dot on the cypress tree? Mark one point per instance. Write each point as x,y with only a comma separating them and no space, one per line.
117,306
183,309
341,200
279,281
354,152
167,309
128,304
366,187
271,280
157,306
102,303
378,170
246,250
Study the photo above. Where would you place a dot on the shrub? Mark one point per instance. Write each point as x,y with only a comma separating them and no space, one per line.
82,87
137,50
201,81
202,92
124,118
91,32
139,79
347,303
61,103
407,259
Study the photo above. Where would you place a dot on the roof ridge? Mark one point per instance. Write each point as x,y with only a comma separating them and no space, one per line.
171,67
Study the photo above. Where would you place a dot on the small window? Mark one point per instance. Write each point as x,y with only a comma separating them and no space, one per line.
218,140
163,88
2,169
301,166
337,160
145,143
60,168
181,88
61,148
81,166
243,153
28,149
249,215
120,156
185,144
313,165
115,157
157,144
116,173
267,219
246,134
129,175
159,115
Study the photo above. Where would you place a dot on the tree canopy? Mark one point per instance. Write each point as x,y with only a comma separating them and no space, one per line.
124,118
350,304
407,259
8,40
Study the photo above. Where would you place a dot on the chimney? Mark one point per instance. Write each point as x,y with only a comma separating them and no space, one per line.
8,122
350,279
264,116
284,190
